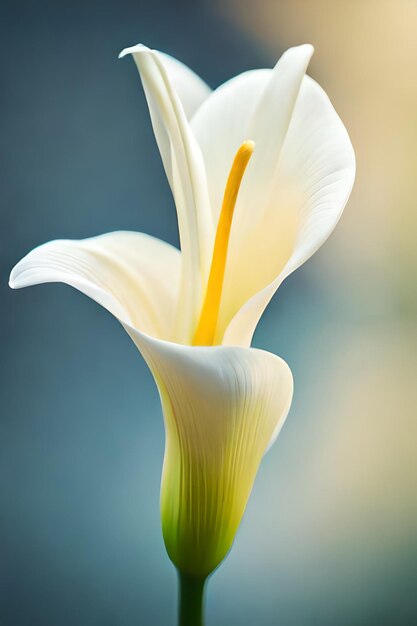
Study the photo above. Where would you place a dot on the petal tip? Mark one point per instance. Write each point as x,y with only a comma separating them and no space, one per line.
309,48
305,51
13,282
140,47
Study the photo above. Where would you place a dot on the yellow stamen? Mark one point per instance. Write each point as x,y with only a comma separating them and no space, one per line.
206,328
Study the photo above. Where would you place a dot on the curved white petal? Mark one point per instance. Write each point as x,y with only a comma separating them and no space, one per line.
311,187
191,89
222,408
221,125
184,167
269,125
255,105
133,275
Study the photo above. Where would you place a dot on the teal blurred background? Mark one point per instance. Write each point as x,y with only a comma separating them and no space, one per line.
329,536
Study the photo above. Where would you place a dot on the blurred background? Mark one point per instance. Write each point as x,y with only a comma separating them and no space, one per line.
329,536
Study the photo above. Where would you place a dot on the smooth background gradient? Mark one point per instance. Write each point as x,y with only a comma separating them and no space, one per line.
329,536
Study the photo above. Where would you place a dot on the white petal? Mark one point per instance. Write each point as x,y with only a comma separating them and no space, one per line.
222,407
312,185
221,125
133,275
191,89
184,167
269,125
256,105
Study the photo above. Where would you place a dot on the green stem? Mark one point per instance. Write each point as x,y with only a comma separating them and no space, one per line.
191,600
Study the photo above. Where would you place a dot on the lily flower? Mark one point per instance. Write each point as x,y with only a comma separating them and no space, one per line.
260,170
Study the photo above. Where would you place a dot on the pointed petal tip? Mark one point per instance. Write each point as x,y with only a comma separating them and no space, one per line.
308,48
304,51
20,278
140,47
13,282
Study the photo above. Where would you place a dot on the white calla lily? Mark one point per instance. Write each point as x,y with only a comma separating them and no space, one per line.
223,406
245,221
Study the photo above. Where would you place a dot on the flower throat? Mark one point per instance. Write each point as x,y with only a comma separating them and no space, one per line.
206,327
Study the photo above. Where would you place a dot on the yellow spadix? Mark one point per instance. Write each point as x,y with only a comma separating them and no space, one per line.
206,329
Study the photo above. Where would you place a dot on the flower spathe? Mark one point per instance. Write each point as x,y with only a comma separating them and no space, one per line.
260,170
222,406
